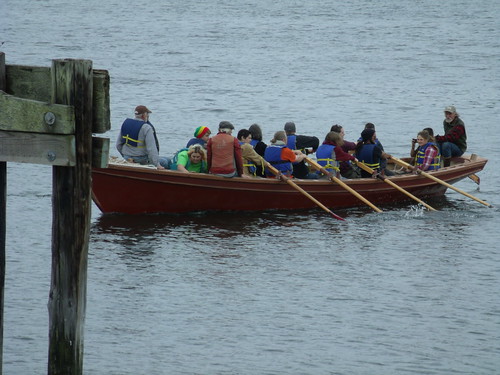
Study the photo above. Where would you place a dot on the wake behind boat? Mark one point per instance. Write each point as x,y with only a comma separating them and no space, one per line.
132,188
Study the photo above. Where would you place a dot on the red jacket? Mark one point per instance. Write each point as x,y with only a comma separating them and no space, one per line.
224,154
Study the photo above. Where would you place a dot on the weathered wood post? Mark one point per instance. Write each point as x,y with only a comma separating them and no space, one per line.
34,129
3,220
71,85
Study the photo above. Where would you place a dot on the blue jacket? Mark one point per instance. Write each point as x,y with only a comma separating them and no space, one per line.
197,141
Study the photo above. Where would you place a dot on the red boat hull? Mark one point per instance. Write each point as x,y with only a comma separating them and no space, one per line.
132,189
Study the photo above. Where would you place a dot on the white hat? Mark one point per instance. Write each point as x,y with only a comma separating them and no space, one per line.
450,108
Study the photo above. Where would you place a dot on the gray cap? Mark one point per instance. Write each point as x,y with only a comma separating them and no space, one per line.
290,127
225,125
450,108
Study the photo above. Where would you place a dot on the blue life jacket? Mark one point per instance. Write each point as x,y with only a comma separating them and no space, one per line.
252,168
130,133
325,155
254,142
196,141
420,156
273,156
366,156
291,142
377,143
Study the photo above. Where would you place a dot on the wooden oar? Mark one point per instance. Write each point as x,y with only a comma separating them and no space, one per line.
475,178
386,180
341,183
289,181
404,164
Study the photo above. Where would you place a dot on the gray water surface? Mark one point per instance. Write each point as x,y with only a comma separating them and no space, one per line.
402,292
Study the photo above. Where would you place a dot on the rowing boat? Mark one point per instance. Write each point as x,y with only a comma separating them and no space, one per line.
132,188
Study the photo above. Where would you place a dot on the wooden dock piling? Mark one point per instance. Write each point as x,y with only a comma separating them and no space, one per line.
55,127
3,221
71,203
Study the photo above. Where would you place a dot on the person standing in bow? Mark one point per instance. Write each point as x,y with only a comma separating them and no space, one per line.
137,141
454,141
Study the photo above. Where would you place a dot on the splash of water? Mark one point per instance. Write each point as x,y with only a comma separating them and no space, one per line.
415,211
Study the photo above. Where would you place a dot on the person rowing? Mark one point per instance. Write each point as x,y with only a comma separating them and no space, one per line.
304,143
280,156
330,154
369,153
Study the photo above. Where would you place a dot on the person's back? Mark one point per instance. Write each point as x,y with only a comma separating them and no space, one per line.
137,140
330,154
304,143
280,156
258,145
347,169
224,153
325,155
369,153
376,141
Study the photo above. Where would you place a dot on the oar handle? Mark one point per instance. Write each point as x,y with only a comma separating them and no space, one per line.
403,163
344,185
387,181
289,181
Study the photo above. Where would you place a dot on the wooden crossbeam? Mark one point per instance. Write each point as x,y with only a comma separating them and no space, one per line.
27,115
46,149
35,83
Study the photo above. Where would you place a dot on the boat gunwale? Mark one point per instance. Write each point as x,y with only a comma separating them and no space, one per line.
151,174
178,192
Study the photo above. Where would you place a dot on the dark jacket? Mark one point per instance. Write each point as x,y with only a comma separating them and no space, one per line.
454,132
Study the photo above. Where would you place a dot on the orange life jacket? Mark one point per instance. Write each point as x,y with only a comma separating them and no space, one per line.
222,154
